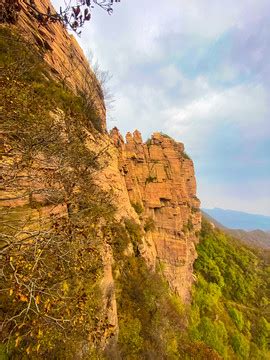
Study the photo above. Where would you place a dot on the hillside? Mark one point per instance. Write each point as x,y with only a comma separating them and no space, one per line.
230,307
256,238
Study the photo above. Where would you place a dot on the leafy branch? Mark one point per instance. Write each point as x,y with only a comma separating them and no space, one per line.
74,14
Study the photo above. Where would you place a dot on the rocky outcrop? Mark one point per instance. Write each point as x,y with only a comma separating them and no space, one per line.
152,183
63,54
156,174
160,179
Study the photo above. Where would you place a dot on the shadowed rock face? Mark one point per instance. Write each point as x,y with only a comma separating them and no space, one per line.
160,177
63,54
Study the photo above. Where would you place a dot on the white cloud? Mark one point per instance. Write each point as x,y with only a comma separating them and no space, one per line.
141,44
244,108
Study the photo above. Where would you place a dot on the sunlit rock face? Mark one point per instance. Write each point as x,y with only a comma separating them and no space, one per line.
159,176
63,54
156,176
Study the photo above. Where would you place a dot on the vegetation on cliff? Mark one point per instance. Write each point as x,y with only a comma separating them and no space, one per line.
228,317
53,214
153,321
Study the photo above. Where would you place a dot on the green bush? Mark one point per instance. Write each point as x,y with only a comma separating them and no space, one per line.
134,231
150,179
214,334
148,142
135,234
166,136
237,317
149,224
262,333
119,239
3,353
240,345
144,298
130,338
188,226
138,207
185,155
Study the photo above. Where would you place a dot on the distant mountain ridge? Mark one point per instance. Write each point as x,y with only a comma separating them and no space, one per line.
257,238
240,220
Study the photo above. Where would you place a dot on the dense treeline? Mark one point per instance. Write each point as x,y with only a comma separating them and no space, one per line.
230,308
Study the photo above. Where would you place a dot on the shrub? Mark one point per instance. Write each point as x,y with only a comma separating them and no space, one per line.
149,142
188,226
119,239
150,179
130,337
194,209
149,224
237,317
143,300
135,234
166,136
213,334
138,207
185,155
240,345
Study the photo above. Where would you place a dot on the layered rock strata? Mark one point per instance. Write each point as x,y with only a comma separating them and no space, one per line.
160,180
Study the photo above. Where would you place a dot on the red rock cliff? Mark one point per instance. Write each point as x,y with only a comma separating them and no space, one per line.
160,177
63,54
157,174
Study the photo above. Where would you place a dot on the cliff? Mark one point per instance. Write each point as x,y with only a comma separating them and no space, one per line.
62,53
83,211
157,175
160,179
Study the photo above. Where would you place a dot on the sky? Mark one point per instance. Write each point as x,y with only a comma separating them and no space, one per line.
199,71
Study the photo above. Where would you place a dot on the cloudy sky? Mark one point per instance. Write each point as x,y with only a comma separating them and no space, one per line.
198,70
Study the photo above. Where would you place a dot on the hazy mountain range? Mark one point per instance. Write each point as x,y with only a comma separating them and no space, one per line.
240,220
258,238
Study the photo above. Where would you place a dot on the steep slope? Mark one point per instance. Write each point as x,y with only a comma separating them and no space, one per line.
256,238
62,54
56,267
230,306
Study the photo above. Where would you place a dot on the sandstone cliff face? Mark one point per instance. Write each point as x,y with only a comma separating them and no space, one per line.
156,174
63,54
160,177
